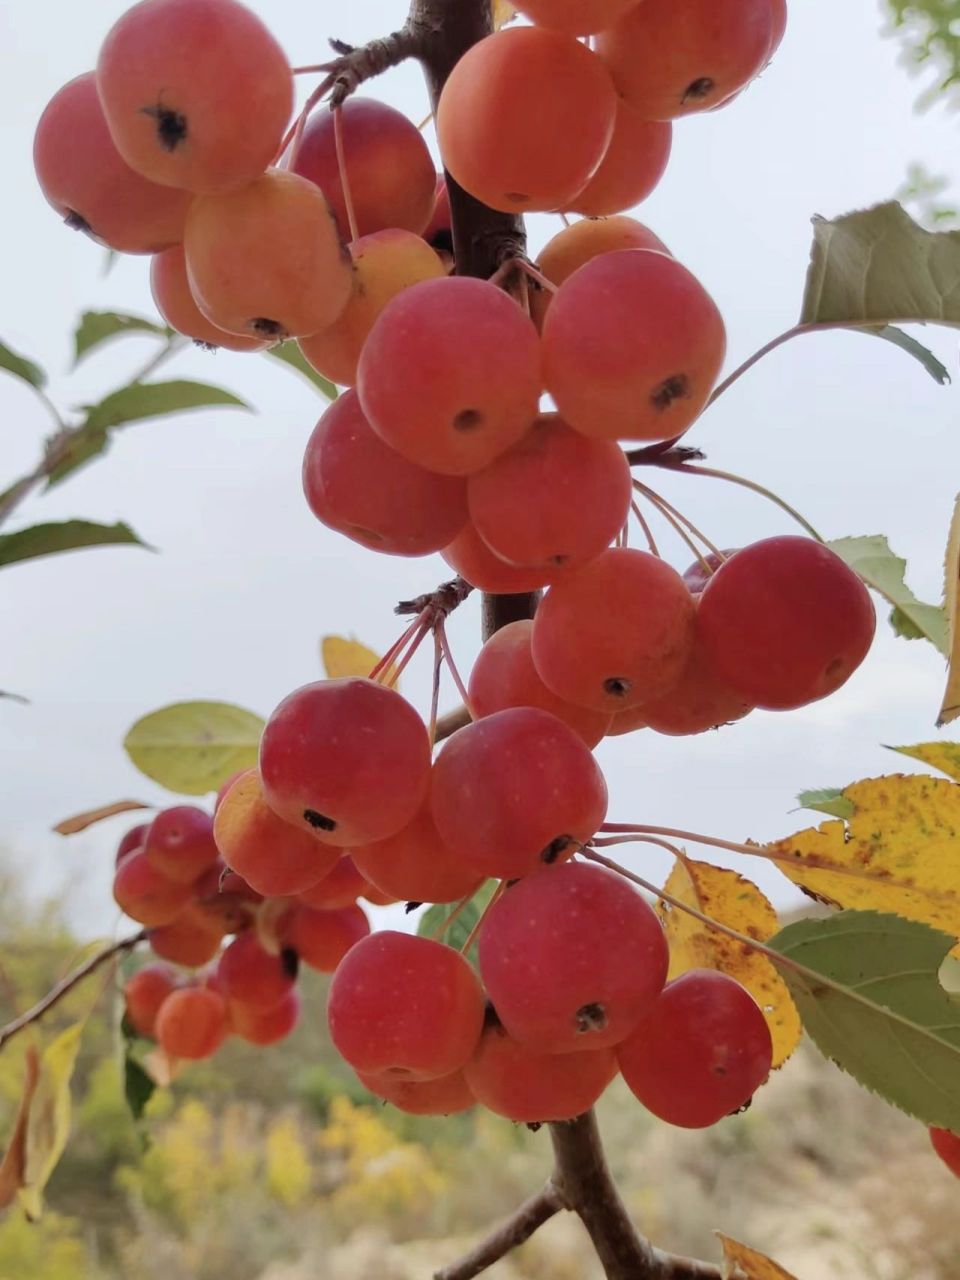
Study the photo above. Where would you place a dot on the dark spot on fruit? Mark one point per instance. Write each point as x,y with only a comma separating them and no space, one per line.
290,963
617,686
676,387
559,559
319,820
411,906
171,125
468,420
699,90
76,222
555,848
205,346
517,197
264,327
834,670
591,1017
719,1070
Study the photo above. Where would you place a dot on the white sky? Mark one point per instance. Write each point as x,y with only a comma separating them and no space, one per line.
847,428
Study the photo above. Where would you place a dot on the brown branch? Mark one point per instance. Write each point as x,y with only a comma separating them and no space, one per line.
666,454
518,1228
67,984
439,604
354,66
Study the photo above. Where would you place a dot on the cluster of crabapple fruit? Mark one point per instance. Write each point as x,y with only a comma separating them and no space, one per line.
337,231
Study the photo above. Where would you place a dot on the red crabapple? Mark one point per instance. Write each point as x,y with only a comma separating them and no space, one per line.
447,1096
192,1023
252,976
144,993
180,843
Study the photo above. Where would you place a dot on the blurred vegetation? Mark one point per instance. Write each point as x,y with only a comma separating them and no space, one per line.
931,37
276,1165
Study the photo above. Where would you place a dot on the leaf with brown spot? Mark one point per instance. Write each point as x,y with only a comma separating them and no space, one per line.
943,756
81,821
14,1158
740,1262
899,851
733,900
48,1119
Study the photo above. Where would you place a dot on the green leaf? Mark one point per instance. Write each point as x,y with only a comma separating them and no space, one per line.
290,353
936,368
880,568
877,267
868,991
829,800
903,626
432,920
96,327
138,1087
194,747
155,399
68,535
21,367
82,444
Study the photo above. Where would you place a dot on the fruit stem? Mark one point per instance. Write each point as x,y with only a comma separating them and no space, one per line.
691,469
647,531
344,178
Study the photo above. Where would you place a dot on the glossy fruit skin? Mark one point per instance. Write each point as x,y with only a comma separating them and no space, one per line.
508,787
669,60
522,505
131,841
700,1053
322,938
341,887
171,295
470,557
530,1087
525,118
389,169
192,1023
252,976
267,261
575,17
450,374
627,722
180,843
146,894
274,857
144,993
572,958
192,939
385,263
447,1096
197,93
701,571
633,621
405,1007
348,759
579,243
700,700
632,346
504,676
785,622
91,186
631,168
264,1027
359,486
947,1147
416,866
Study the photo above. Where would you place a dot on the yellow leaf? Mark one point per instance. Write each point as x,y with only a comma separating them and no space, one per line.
80,821
48,1123
740,1262
732,900
503,12
944,756
343,658
899,852
14,1159
951,598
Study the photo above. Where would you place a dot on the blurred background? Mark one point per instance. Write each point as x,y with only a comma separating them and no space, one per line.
269,1165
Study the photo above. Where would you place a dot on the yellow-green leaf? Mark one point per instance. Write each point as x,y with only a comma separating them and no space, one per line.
343,658
48,1123
733,900
503,12
899,851
943,756
740,1262
950,707
194,747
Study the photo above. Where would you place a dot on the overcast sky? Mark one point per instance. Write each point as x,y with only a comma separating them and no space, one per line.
845,427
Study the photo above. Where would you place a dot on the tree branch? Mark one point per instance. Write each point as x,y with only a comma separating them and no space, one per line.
518,1228
67,984
354,66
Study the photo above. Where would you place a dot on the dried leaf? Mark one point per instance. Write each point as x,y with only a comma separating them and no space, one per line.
80,821
733,900
48,1123
898,851
740,1262
950,707
14,1158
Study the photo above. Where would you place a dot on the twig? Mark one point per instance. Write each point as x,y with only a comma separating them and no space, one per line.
449,724
518,1228
440,603
731,478
354,66
67,984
